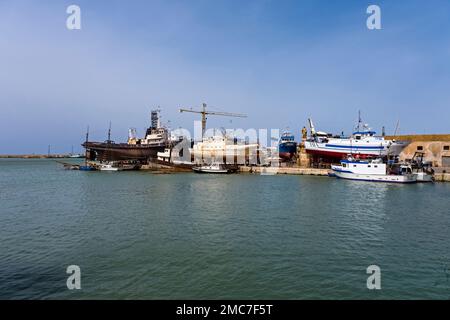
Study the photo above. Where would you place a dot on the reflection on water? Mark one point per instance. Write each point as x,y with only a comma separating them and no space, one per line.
144,235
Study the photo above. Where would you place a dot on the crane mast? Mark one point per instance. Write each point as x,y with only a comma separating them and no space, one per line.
204,112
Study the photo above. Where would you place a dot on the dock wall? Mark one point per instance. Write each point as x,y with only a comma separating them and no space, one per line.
284,170
442,177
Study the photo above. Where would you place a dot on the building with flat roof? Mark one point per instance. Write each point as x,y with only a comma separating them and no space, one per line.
435,147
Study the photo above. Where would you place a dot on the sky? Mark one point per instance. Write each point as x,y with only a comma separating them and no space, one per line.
279,62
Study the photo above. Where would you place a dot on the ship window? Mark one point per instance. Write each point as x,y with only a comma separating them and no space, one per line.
419,148
344,165
376,166
369,166
354,166
446,148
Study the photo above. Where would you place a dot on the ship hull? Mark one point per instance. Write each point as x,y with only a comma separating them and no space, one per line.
339,150
287,150
374,178
103,151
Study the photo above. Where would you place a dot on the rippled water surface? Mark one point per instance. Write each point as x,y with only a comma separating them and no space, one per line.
152,236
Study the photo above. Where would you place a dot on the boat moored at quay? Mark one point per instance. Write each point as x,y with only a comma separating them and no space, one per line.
161,149
374,170
216,167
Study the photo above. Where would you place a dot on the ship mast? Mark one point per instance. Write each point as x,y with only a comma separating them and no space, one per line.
109,133
85,149
359,121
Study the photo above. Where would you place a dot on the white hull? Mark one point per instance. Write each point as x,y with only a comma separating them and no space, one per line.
342,147
109,169
207,170
423,177
408,178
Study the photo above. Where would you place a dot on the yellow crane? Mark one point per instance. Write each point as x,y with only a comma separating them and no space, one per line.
203,112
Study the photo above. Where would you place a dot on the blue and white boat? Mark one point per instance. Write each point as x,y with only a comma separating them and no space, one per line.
373,170
363,142
287,146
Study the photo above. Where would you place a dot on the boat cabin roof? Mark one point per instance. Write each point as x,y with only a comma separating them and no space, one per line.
369,132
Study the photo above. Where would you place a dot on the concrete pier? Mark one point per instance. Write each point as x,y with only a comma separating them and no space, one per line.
284,170
442,177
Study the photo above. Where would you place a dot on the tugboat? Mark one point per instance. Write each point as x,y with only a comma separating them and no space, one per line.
373,170
287,147
156,140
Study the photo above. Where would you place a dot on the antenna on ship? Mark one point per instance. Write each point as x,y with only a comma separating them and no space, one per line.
358,128
203,112
396,127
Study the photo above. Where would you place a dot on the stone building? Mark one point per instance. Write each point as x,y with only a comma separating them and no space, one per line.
436,148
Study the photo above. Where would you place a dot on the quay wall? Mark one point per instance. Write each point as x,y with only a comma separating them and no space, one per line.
439,177
284,170
442,177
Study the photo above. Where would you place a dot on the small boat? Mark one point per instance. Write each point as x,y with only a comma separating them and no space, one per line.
213,168
87,168
423,176
108,167
117,166
423,170
374,170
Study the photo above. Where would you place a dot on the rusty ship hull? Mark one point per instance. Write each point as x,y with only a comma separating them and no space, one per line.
104,151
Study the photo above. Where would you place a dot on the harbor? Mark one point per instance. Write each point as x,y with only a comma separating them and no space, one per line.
151,235
315,152
224,159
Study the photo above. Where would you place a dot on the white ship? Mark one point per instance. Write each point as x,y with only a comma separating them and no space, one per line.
221,148
374,170
363,142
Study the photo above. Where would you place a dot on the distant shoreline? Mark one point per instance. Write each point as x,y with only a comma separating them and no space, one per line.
34,156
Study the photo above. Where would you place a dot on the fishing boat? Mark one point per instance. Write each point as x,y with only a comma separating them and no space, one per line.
422,169
363,142
213,168
75,155
373,170
108,167
117,166
287,147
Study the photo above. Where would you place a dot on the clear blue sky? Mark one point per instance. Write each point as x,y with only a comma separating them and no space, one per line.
280,62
